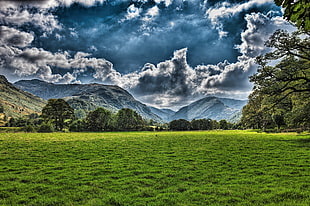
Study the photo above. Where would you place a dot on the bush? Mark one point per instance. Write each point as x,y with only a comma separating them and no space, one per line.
29,128
78,126
46,127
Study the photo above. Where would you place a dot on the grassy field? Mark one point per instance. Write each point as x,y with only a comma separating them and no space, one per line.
148,168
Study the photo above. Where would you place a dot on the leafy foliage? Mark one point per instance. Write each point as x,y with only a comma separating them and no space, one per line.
201,124
128,120
282,83
46,127
180,125
99,120
59,112
297,12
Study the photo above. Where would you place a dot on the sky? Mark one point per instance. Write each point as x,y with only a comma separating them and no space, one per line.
167,53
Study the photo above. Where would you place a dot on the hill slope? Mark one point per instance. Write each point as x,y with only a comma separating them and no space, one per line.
211,107
165,114
16,102
87,97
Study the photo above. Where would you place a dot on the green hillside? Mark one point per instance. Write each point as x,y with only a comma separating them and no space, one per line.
148,168
16,102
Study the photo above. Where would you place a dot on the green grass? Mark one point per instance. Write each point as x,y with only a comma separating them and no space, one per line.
148,168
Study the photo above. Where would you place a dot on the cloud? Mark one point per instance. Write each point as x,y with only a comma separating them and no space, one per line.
228,10
172,77
18,59
132,12
259,29
151,14
19,16
166,2
12,37
45,4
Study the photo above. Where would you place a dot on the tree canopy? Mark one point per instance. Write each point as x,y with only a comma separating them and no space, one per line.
58,112
281,94
99,120
128,119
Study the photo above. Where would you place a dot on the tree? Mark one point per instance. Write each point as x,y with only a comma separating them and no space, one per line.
46,127
282,80
78,125
278,120
201,124
59,113
223,124
254,114
99,120
128,120
297,12
180,125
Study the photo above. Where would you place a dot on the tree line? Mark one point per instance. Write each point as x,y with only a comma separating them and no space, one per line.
58,115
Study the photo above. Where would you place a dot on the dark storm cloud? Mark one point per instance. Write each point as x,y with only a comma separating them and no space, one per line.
173,77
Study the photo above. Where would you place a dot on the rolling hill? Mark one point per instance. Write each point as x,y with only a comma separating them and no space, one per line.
16,102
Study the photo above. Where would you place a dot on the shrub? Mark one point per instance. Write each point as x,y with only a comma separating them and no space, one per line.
29,128
46,127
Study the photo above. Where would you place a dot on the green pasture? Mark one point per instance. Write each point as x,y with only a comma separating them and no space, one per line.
149,168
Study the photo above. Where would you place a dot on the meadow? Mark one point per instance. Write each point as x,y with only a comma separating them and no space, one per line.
155,168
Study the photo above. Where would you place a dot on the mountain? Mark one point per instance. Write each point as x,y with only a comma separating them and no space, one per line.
165,114
213,108
15,102
87,97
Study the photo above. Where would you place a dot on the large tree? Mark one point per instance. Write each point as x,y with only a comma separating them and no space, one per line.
58,112
282,83
285,70
99,120
128,120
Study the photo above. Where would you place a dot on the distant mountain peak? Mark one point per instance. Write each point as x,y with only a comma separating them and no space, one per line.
211,107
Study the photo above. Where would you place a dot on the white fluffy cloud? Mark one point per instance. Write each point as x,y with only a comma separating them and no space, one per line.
226,10
18,16
18,59
12,37
132,12
45,4
259,29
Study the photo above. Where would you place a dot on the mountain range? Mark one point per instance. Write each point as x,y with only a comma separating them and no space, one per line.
87,97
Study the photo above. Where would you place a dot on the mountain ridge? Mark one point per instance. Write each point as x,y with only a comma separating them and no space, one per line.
87,97
208,107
